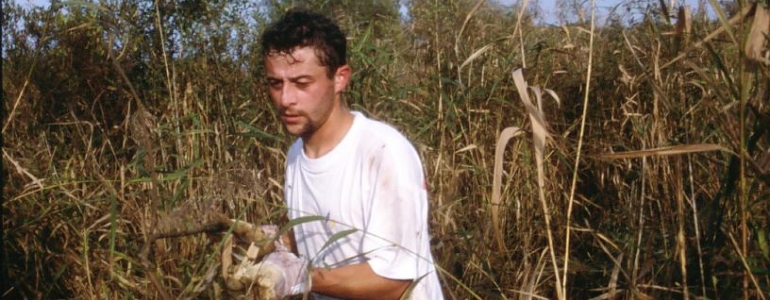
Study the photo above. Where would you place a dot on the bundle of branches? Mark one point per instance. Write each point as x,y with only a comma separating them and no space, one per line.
244,245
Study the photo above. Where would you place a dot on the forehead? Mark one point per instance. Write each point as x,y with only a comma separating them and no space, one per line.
298,58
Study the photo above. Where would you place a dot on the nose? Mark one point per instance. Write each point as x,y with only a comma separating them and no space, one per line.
288,96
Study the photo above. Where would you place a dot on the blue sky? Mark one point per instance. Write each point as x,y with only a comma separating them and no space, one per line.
603,7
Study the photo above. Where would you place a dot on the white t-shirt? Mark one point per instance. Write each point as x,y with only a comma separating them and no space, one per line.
364,201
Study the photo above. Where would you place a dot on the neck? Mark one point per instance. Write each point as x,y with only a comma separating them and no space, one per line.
330,134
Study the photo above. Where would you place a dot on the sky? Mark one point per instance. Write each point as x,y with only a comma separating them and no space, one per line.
548,7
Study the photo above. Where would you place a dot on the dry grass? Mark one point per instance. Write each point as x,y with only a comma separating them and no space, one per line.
648,180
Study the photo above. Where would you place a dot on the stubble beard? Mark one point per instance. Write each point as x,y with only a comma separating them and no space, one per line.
303,129
308,125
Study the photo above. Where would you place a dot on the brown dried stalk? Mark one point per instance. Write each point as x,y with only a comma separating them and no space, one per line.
212,223
187,220
758,35
497,178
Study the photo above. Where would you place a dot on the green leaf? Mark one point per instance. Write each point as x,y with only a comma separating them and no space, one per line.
723,18
183,171
762,241
114,212
339,235
411,287
298,221
257,133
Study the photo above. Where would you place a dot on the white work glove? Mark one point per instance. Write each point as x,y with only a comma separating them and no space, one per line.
280,274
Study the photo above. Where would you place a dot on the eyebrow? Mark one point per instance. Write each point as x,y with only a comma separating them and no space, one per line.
292,79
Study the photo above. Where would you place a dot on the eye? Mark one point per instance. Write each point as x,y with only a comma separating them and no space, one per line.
274,84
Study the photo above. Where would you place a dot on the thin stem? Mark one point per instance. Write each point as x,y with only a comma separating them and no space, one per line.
742,189
635,273
579,147
697,227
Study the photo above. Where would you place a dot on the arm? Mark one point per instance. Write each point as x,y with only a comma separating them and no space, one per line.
356,281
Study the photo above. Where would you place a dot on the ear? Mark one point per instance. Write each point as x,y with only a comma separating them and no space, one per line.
341,78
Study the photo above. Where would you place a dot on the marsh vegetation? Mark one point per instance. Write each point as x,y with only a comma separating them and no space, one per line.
648,179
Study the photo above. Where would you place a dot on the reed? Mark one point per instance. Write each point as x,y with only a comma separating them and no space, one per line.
648,179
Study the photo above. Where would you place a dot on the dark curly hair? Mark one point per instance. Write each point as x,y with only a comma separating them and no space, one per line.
302,28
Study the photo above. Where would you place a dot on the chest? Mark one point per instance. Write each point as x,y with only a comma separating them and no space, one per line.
341,194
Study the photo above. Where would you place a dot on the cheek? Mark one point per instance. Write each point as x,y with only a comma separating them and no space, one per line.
310,96
274,97
324,91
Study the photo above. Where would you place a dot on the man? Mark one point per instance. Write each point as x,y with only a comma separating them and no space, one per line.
355,186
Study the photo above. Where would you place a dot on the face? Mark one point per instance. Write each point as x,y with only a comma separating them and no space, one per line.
302,91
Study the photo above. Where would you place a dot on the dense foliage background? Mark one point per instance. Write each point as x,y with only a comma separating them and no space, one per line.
653,183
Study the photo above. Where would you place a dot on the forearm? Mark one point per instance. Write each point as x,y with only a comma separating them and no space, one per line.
356,282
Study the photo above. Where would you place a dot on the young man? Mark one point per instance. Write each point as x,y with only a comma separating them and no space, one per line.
356,183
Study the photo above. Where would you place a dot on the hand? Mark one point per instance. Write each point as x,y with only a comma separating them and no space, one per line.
280,274
270,231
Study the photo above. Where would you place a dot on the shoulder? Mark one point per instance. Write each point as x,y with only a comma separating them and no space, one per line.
383,135
384,140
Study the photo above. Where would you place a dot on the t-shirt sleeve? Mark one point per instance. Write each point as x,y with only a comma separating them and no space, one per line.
396,224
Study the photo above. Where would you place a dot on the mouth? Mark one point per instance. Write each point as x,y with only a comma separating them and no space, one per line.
290,118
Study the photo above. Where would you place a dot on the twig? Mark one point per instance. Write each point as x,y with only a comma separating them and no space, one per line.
20,169
212,223
746,265
18,99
